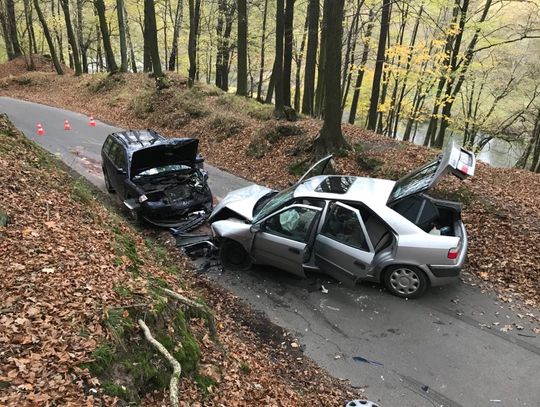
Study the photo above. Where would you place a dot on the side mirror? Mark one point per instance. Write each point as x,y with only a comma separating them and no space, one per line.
255,228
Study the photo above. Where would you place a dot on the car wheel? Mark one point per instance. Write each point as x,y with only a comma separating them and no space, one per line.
406,281
233,256
108,185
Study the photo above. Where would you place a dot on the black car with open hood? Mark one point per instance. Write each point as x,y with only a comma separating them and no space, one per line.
160,180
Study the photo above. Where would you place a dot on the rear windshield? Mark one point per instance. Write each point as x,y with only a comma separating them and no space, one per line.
416,182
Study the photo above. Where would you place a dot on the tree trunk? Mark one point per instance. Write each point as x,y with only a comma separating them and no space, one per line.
122,35
241,85
311,57
331,138
271,85
130,44
80,37
194,17
279,107
48,37
352,38
318,108
263,43
71,38
12,28
150,32
299,58
360,74
374,101
176,35
30,63
6,33
109,54
288,51
147,48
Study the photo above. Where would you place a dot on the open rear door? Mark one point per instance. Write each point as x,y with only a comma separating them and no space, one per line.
455,160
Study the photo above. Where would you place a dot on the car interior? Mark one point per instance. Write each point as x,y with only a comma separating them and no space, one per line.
429,214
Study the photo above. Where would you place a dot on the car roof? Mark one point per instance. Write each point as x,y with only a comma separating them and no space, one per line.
134,140
372,191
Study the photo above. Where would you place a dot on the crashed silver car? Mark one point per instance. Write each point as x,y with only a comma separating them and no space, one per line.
351,228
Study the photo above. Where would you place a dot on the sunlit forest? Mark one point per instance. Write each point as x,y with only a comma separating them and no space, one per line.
420,71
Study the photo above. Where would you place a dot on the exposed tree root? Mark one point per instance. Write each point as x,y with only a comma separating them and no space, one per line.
177,368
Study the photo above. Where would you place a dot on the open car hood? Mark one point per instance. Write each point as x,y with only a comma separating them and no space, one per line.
175,151
455,160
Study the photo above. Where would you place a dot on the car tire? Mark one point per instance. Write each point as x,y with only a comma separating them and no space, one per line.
405,281
233,256
108,185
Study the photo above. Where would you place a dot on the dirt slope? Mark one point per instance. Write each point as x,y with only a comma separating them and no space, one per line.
502,206
74,277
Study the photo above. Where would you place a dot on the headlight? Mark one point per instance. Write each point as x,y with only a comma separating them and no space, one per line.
143,198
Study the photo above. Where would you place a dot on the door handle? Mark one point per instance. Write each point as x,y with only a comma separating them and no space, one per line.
360,264
294,250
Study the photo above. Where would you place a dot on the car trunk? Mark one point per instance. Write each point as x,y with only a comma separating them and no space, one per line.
431,215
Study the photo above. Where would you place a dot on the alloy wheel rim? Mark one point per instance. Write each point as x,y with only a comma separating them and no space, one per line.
405,281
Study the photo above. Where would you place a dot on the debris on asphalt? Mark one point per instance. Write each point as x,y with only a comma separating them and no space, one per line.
359,403
527,336
507,328
369,362
425,388
323,289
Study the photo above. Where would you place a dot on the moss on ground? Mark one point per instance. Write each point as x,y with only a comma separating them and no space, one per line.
129,366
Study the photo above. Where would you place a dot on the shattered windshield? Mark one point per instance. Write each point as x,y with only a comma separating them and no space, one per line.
275,203
162,170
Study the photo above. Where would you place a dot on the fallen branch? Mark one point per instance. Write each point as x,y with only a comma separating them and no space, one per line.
189,302
177,368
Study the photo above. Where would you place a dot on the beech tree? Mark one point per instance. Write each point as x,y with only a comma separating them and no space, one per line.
241,87
311,57
71,38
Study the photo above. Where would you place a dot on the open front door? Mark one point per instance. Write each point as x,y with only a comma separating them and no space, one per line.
343,249
318,168
454,160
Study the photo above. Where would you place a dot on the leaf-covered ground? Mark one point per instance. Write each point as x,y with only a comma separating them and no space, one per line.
68,265
502,206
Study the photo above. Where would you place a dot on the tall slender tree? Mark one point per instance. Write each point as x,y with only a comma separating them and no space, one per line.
263,43
379,65
241,87
12,29
150,32
288,51
104,28
330,137
173,58
122,34
277,72
194,19
49,39
311,57
71,38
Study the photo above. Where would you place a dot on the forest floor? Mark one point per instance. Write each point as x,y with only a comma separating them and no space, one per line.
78,277
501,206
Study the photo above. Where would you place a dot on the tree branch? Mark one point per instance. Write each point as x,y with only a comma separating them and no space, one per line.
177,368
523,37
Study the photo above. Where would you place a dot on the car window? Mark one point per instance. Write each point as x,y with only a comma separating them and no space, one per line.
343,225
107,145
277,202
294,223
118,156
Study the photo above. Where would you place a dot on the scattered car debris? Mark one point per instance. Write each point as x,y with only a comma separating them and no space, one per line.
349,227
369,362
324,290
360,403
160,180
425,388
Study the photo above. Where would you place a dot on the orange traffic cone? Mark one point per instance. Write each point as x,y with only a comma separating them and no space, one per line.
92,121
67,126
40,131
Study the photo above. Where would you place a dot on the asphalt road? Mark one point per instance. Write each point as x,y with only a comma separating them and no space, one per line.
445,349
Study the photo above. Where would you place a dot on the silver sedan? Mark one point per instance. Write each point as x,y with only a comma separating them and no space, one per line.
351,228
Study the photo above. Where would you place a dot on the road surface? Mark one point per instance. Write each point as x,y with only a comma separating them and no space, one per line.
445,349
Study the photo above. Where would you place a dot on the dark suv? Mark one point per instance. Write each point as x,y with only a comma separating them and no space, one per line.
160,180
